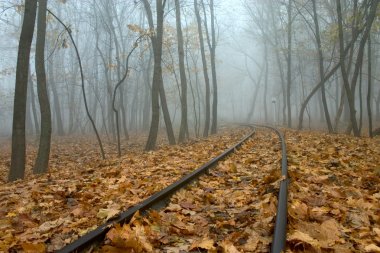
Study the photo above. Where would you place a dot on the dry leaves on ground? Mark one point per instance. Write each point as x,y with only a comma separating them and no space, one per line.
334,193
333,200
43,213
230,209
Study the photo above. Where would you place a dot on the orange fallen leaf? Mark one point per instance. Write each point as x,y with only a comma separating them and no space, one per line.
107,213
34,248
205,243
228,247
372,248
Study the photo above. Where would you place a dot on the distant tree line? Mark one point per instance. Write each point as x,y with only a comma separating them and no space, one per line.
323,65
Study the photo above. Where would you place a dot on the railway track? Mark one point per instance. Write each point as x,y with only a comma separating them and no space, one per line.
236,179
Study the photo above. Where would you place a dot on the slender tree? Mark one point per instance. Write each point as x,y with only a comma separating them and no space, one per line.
33,102
321,67
212,47
157,82
17,168
183,131
42,162
82,86
205,71
289,63
369,110
350,89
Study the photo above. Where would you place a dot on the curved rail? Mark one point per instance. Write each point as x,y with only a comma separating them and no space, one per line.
279,236
156,200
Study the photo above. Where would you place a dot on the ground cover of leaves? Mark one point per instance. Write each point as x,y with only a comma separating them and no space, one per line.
43,213
334,193
231,209
333,201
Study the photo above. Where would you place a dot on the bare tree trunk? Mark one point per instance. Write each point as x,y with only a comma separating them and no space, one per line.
17,168
350,90
120,82
289,64
212,47
83,88
157,83
123,115
28,116
369,110
183,131
147,88
280,68
340,108
57,106
321,67
205,71
256,90
33,103
378,107
361,99
42,162
266,82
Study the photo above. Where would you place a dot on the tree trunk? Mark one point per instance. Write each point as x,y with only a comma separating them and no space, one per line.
157,82
266,82
350,90
42,162
321,67
57,106
214,123
205,71
183,131
33,103
378,107
280,68
369,111
361,99
17,168
289,64
68,30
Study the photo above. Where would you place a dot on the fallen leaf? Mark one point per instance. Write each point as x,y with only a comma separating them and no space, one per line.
205,243
298,237
48,225
228,247
34,248
372,248
106,214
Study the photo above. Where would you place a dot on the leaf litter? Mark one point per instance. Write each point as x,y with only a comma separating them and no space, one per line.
230,209
81,191
334,193
333,202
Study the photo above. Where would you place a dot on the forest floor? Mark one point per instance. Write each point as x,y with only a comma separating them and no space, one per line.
333,206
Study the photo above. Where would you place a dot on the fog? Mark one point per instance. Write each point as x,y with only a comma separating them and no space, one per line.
261,75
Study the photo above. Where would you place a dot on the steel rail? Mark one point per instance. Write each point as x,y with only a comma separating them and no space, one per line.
279,235
156,200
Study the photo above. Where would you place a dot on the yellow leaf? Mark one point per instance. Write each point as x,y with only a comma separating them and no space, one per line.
300,238
10,215
372,248
228,247
34,248
105,213
205,243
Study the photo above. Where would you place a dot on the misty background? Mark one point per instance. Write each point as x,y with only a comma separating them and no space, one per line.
250,37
